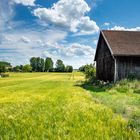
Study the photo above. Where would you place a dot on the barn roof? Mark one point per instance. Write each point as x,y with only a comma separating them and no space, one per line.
123,43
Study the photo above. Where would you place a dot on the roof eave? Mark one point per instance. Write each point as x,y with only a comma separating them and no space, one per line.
101,33
126,55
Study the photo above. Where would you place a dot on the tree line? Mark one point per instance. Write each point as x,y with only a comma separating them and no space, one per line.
37,64
40,65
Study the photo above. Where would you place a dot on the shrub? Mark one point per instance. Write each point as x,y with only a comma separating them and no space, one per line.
27,68
4,75
90,73
132,76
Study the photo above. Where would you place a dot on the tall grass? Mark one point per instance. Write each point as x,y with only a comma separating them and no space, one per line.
123,98
41,106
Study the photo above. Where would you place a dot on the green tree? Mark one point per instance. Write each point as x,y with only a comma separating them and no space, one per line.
48,64
33,63
2,68
5,63
82,68
21,67
60,67
17,69
37,64
69,69
90,72
27,68
42,65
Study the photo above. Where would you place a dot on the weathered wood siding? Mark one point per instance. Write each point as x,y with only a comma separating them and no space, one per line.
104,62
126,66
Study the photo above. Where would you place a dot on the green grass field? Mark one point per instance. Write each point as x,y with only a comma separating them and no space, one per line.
40,106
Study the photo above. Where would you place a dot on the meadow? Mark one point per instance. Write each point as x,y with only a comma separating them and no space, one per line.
55,106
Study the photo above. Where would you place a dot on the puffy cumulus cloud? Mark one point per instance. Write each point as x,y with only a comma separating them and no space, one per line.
74,54
19,46
69,14
76,49
125,29
25,2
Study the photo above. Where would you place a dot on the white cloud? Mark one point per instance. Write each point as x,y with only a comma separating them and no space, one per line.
25,2
74,54
125,29
106,24
69,15
6,13
19,46
25,39
79,50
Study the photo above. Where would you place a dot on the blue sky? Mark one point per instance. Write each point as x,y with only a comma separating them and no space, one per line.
61,29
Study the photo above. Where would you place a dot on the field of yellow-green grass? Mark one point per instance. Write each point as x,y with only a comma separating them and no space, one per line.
40,106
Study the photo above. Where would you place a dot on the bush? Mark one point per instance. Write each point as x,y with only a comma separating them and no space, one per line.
132,76
27,68
82,68
90,73
4,75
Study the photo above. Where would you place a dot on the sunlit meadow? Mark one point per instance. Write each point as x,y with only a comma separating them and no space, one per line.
54,106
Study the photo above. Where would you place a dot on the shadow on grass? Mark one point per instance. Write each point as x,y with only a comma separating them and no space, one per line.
94,88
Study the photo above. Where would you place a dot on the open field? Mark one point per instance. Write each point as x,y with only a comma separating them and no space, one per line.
53,106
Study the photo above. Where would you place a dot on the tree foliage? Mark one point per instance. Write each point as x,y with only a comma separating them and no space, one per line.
27,68
33,63
7,64
69,69
82,68
48,64
89,71
37,64
60,67
17,68
2,68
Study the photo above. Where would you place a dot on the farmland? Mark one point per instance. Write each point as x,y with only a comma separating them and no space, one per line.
56,106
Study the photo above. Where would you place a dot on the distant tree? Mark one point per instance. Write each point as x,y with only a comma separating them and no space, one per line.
2,68
27,68
21,67
60,67
17,69
7,64
48,64
40,64
10,69
37,64
69,69
33,63
82,68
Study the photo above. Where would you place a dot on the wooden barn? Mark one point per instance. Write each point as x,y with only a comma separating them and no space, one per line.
117,55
